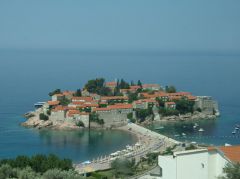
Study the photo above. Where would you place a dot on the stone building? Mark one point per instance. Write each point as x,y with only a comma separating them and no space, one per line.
207,105
57,97
114,115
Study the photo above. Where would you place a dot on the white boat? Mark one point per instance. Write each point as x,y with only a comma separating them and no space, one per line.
183,134
159,128
201,130
234,132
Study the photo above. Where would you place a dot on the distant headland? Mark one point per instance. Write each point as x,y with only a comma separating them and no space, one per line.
102,104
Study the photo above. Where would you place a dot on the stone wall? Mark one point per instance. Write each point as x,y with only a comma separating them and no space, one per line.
77,118
206,104
114,117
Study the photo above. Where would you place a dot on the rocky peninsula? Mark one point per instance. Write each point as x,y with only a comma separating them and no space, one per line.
114,104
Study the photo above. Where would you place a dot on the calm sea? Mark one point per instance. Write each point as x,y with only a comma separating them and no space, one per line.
26,77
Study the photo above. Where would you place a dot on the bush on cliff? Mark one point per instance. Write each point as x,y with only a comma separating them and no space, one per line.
43,117
80,124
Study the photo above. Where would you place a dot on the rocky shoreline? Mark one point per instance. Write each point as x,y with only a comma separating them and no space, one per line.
34,121
186,117
189,116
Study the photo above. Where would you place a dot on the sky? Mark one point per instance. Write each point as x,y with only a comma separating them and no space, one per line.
163,25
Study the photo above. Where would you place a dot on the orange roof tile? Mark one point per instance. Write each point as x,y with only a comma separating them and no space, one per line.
78,102
150,85
190,97
70,113
135,87
111,84
53,103
170,103
115,106
231,152
59,95
114,97
65,93
59,108
82,98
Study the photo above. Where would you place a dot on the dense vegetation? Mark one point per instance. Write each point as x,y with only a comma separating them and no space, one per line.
168,112
170,89
123,167
64,101
39,163
231,171
38,166
132,97
80,124
184,106
56,91
78,93
97,86
42,116
94,117
141,114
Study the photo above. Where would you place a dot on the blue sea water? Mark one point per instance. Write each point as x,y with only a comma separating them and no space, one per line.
27,76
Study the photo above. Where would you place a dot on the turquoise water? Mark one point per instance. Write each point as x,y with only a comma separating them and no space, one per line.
27,76
216,132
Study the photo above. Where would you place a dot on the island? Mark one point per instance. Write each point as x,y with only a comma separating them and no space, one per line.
123,106
101,104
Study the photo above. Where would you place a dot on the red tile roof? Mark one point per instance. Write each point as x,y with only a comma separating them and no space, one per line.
111,84
150,85
59,108
115,106
231,152
114,98
66,93
170,103
83,98
135,87
71,113
53,103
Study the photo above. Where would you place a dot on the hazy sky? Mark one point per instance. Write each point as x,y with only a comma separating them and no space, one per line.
167,25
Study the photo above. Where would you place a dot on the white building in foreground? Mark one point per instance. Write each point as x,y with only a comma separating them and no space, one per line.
196,164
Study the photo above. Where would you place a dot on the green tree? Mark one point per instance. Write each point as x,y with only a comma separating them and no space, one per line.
27,173
143,113
56,91
139,83
132,97
78,93
97,86
132,83
65,101
42,116
123,167
124,85
232,171
184,105
80,124
6,171
171,89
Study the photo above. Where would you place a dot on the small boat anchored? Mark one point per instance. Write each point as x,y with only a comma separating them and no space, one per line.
201,130
159,128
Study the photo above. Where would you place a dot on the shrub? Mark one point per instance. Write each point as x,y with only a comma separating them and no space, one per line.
43,117
39,163
80,124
